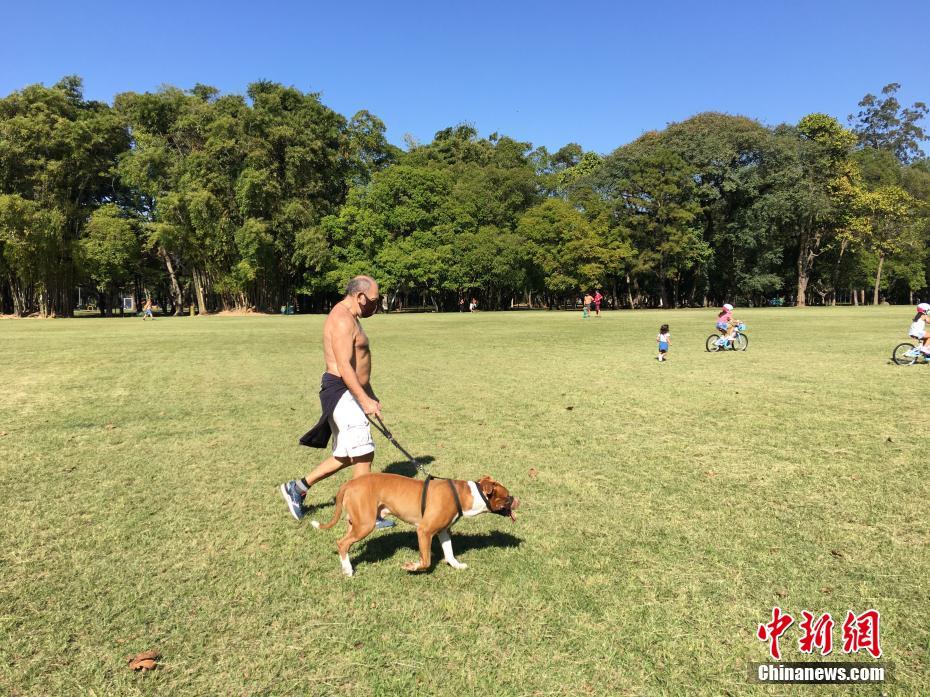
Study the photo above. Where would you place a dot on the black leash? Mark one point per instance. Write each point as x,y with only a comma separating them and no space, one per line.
387,434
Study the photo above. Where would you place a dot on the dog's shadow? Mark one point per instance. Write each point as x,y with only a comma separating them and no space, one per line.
386,545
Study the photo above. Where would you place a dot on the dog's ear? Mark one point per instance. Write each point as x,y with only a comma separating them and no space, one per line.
487,485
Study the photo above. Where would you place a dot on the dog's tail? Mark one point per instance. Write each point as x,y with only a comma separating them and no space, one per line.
337,514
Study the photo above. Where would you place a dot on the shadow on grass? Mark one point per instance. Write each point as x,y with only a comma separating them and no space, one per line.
407,468
386,545
313,507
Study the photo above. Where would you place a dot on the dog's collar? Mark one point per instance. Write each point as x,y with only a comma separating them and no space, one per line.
487,504
483,497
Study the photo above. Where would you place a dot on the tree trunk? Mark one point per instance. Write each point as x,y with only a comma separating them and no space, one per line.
198,286
878,278
663,288
803,277
809,248
855,297
177,299
836,270
19,304
629,292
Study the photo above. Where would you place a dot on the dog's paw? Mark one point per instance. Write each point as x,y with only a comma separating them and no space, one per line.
458,565
315,523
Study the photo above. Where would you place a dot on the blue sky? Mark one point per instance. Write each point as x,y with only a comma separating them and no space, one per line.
595,73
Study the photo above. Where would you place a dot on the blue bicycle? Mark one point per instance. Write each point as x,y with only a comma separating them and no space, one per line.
739,342
908,354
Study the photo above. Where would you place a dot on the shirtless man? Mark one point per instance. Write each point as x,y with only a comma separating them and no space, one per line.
345,394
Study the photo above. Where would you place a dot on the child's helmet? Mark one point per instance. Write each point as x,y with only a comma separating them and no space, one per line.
923,307
727,306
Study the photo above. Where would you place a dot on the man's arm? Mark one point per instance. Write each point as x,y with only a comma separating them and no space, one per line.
343,351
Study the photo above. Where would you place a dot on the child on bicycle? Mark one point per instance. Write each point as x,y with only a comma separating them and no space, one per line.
726,325
664,339
918,328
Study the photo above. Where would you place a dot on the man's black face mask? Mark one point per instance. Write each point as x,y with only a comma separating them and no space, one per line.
368,307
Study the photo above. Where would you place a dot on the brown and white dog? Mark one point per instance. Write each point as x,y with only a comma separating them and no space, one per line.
363,498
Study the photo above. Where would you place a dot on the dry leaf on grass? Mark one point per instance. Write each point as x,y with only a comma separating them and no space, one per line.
147,660
533,473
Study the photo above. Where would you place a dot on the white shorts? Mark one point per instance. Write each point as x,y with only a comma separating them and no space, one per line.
351,429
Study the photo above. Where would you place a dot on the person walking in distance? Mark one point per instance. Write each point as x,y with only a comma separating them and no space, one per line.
586,305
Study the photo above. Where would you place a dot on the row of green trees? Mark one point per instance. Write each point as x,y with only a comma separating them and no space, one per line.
271,198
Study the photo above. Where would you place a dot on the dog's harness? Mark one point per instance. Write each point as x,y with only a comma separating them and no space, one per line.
455,494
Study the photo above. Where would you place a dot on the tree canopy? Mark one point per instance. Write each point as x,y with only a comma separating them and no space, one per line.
271,198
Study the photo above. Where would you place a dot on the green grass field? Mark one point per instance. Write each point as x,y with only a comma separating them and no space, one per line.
674,505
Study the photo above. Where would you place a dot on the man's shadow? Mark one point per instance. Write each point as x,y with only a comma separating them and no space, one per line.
407,468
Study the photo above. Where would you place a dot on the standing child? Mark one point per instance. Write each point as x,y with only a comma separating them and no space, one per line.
664,339
586,311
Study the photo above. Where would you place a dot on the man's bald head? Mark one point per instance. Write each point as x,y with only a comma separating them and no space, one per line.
360,284
362,296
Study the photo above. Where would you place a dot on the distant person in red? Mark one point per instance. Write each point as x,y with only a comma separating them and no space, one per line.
597,303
